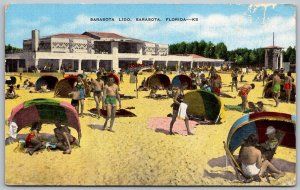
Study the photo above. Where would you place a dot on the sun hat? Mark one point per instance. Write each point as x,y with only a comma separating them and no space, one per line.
270,130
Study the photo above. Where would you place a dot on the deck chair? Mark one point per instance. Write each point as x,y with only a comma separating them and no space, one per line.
240,175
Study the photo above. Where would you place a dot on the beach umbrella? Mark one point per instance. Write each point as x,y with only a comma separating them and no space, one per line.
64,87
45,111
268,93
204,104
179,79
160,80
51,82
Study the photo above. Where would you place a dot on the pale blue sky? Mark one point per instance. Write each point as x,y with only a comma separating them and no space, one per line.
236,25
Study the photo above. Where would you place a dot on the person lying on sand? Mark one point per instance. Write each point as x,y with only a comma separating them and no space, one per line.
64,138
44,88
253,164
33,140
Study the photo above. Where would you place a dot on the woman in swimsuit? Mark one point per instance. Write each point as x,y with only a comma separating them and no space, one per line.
79,85
33,140
288,84
177,100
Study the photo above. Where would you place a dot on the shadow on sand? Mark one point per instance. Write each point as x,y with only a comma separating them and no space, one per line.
95,126
282,165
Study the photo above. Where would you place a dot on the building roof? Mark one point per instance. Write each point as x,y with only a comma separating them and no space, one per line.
273,47
106,35
63,35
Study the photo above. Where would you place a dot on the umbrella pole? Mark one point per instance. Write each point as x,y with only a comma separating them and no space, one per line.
136,88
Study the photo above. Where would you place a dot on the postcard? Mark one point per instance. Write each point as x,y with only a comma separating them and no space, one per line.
150,95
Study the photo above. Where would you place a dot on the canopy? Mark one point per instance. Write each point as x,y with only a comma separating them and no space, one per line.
64,87
51,81
267,92
45,111
159,80
257,123
179,79
204,104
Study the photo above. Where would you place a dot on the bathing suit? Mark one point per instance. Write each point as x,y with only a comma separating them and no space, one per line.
28,140
243,91
74,102
97,92
276,88
217,91
287,86
112,100
250,170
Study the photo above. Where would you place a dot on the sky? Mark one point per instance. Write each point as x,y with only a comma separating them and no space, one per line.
238,26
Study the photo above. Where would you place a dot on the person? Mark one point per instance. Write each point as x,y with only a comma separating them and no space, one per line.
265,76
281,73
260,107
26,83
242,77
234,77
253,164
33,140
121,75
268,148
288,84
110,95
178,98
216,84
79,85
44,88
243,93
64,138
11,93
75,98
98,86
20,77
205,86
153,92
276,87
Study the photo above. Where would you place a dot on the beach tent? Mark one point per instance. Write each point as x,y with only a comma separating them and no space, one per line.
179,79
12,80
64,87
45,111
267,92
204,104
105,77
51,81
160,80
257,123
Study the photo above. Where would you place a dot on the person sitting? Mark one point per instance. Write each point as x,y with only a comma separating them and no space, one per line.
64,138
33,140
253,164
268,148
11,93
205,86
260,107
44,88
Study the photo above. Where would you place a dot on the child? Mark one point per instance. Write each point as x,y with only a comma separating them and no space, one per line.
75,98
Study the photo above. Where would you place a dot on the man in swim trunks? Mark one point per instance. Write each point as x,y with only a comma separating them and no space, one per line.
75,98
110,96
98,86
276,87
234,77
243,93
288,84
252,162
64,138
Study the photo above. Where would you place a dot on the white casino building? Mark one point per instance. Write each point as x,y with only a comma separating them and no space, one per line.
90,50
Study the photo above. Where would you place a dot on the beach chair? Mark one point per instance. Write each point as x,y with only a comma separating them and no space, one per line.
240,175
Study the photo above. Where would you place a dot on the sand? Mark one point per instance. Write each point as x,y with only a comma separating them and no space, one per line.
136,154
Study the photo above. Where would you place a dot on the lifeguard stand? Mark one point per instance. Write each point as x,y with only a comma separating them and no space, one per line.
273,57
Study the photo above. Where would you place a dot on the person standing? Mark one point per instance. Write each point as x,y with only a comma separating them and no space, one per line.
234,77
79,85
276,87
178,98
98,86
110,97
288,85
265,76
243,93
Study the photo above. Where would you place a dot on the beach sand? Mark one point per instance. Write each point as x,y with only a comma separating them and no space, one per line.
137,155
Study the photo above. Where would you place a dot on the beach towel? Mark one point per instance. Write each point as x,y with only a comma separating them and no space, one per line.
182,110
13,128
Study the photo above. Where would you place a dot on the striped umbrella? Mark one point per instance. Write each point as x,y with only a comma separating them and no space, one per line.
159,80
45,111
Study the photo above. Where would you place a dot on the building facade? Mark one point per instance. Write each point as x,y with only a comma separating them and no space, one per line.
90,50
